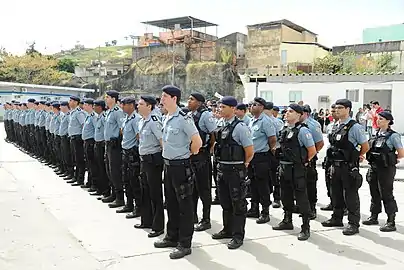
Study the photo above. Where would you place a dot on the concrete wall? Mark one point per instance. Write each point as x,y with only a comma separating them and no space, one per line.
302,53
392,46
291,35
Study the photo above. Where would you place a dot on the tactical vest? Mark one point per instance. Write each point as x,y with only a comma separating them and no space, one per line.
291,150
202,134
226,148
379,153
341,148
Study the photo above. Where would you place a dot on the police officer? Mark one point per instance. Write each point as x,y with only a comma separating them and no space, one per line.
75,129
241,113
348,147
264,139
312,175
180,140
297,151
219,123
233,150
385,151
23,127
150,141
87,136
326,163
49,137
54,129
7,121
205,123
113,138
30,118
68,169
131,159
102,183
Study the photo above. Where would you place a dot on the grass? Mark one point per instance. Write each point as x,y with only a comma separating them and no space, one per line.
112,54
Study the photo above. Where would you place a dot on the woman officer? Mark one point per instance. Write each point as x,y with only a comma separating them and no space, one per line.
385,151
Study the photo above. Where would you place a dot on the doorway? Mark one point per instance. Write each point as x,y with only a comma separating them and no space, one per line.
383,96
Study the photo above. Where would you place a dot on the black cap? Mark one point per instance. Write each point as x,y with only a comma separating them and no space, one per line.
75,98
306,108
172,90
48,103
276,108
89,101
64,103
229,101
344,102
23,104
260,100
296,107
8,103
333,106
241,106
113,94
36,102
387,116
149,99
56,104
31,100
198,96
42,102
99,102
128,100
269,105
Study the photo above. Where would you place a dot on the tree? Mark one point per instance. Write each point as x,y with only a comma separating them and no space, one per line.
67,65
114,42
107,44
385,63
328,64
31,49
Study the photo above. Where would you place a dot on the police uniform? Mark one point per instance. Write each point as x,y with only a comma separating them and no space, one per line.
113,138
205,123
178,129
216,201
42,131
22,123
150,135
345,177
7,121
49,137
102,183
246,119
68,169
294,143
54,129
30,118
76,122
87,136
231,140
262,129
382,158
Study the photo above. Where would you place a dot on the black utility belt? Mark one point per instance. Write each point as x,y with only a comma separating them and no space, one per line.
89,140
260,158
177,162
151,157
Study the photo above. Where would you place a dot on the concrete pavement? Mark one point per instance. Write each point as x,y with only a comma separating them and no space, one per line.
47,224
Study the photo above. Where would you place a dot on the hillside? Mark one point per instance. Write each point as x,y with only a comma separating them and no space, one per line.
112,54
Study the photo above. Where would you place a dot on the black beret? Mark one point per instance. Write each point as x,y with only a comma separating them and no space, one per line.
260,100
8,103
64,103
113,94
229,101
306,108
296,107
276,108
172,90
89,101
241,106
36,102
149,99
48,103
128,100
185,110
387,116
13,101
75,98
99,102
31,100
23,104
199,97
42,102
333,106
16,102
56,104
344,102
269,105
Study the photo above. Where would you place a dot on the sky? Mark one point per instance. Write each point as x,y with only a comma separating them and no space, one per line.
55,25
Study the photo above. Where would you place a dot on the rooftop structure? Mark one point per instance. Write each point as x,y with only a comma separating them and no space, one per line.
279,23
186,22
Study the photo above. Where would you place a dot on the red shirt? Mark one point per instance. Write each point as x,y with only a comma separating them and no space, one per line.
374,117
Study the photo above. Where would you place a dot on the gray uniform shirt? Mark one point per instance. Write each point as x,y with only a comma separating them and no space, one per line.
130,131
88,131
76,122
150,134
113,123
99,127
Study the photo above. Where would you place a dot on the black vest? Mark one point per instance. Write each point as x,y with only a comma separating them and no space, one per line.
202,134
291,150
226,148
379,153
341,148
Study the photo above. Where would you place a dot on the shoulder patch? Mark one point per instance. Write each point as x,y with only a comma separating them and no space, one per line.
308,135
182,113
78,109
116,108
154,118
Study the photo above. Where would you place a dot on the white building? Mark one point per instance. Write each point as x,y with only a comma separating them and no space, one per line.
21,92
320,91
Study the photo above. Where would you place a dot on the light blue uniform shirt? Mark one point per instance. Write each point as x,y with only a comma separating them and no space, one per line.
77,118
64,124
48,120
315,129
22,117
88,131
241,133
246,120
99,127
177,132
356,134
130,131
261,129
150,134
305,138
42,118
56,123
394,141
36,120
207,124
113,123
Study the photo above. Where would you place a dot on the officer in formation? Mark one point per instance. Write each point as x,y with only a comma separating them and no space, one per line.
88,133
241,113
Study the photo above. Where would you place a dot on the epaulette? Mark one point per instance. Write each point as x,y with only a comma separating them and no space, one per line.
116,108
104,114
68,113
92,114
154,118
78,109
182,113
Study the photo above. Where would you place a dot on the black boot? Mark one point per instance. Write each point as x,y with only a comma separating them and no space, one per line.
305,232
119,200
372,220
276,204
203,225
264,217
254,211
109,199
390,225
328,207
126,209
333,222
286,223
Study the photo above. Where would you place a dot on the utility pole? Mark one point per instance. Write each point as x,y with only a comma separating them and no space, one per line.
256,86
99,69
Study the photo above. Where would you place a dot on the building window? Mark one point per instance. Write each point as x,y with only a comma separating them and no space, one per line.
267,95
284,57
295,96
119,72
352,95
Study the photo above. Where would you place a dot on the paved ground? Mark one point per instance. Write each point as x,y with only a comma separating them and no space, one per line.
47,224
